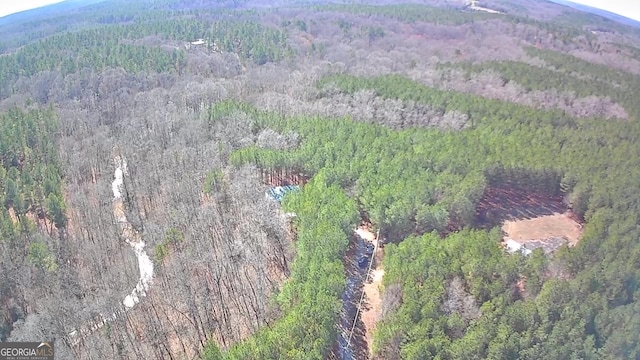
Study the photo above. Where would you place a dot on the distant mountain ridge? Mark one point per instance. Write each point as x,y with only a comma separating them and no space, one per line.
47,10
70,5
604,13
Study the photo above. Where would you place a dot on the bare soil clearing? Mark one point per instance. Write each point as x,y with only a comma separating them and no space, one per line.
530,218
371,309
12,215
366,234
370,312
543,227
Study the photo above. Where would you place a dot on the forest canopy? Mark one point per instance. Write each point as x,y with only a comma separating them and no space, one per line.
139,141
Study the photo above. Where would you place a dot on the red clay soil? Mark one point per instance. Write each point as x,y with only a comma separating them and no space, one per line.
508,203
371,308
283,177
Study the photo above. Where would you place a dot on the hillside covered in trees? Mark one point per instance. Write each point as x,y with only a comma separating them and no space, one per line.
139,140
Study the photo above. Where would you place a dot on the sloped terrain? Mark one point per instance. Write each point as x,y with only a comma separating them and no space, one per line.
438,122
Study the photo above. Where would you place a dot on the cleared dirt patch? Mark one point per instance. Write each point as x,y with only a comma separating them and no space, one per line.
366,234
371,310
543,227
529,219
12,215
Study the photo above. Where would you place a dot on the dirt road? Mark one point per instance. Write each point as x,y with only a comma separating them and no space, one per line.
361,298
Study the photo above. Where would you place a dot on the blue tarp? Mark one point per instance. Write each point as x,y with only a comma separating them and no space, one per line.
278,192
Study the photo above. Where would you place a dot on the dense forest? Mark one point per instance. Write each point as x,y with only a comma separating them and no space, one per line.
138,140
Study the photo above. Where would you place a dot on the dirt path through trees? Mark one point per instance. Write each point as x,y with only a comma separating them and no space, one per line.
370,311
361,299
371,306
132,237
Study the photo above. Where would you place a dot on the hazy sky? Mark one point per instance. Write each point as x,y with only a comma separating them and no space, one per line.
628,8
11,6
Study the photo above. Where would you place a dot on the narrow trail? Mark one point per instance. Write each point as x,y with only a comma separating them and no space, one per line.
132,237
370,309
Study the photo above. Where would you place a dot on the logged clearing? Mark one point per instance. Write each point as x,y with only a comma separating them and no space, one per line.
507,203
530,218
543,227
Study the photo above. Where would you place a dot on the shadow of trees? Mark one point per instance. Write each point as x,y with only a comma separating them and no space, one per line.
512,202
